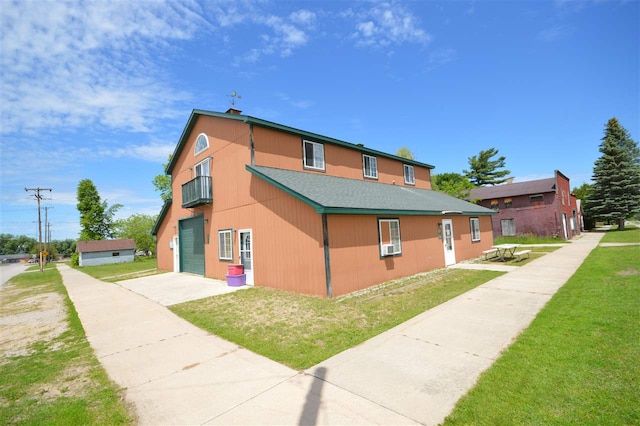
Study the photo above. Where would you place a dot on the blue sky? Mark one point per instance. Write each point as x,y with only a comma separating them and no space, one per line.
102,90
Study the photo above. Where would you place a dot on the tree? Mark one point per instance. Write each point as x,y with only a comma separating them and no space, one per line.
138,227
453,184
163,182
96,219
616,177
405,152
582,192
484,171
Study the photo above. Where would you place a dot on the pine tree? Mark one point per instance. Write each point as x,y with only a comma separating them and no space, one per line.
616,175
484,171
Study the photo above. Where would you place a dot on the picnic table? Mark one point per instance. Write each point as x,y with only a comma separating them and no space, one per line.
503,249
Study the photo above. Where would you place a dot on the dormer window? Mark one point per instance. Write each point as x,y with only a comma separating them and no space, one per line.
202,143
313,155
409,176
370,166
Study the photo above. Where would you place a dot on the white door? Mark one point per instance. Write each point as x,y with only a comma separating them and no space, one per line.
447,241
176,254
564,226
246,253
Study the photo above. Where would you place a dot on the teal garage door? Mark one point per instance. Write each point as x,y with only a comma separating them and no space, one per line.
192,245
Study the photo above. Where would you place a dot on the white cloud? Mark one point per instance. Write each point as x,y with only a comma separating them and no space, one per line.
554,33
386,24
76,64
441,57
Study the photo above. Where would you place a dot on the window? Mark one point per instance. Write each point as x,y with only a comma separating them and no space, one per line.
508,227
409,177
564,196
538,197
115,253
508,203
313,155
202,143
370,166
494,204
202,168
225,244
389,233
474,222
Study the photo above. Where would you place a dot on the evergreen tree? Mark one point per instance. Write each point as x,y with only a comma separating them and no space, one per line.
484,171
615,193
96,219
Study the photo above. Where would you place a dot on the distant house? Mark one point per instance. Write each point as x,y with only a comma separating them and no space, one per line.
101,252
305,212
14,258
542,207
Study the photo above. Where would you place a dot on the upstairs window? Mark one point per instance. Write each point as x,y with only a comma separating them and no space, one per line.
495,205
409,177
313,155
202,143
536,198
474,223
202,169
370,166
389,234
508,203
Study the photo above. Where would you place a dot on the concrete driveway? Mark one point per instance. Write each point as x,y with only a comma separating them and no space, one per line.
171,288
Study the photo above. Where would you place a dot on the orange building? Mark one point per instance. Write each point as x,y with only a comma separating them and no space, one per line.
305,212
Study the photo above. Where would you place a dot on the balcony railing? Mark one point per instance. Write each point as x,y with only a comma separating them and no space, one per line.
197,192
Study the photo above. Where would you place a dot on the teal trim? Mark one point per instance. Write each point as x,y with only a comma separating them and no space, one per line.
163,213
286,189
193,118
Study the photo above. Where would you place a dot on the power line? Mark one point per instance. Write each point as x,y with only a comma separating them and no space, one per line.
38,197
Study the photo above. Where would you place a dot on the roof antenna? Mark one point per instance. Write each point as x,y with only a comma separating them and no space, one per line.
234,95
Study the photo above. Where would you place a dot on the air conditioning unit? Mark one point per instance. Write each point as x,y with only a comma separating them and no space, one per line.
387,249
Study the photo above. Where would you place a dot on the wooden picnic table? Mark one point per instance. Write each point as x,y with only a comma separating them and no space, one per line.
503,249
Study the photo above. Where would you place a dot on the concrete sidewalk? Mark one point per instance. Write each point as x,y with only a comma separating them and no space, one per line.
413,374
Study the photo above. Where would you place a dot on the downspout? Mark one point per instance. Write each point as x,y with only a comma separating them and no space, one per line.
327,261
251,145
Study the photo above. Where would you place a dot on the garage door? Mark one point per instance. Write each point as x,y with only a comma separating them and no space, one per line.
192,245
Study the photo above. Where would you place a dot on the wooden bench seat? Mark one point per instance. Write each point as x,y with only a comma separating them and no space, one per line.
521,253
490,253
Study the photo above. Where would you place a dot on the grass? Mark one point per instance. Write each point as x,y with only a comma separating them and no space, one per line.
630,234
52,377
142,266
301,331
536,252
528,239
578,361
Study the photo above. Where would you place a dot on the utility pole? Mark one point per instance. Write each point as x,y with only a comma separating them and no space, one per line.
47,233
38,197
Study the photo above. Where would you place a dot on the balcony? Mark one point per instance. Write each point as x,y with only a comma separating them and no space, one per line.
197,192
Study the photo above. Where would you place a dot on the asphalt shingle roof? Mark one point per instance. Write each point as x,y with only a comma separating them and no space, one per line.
105,245
514,189
336,195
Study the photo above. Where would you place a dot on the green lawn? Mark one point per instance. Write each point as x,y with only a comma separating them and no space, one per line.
301,331
630,234
578,361
50,377
122,271
528,239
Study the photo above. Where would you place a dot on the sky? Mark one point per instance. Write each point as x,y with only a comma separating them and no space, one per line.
102,90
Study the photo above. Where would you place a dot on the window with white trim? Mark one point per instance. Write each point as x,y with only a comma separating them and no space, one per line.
202,169
474,223
409,177
225,244
389,235
370,166
313,155
202,143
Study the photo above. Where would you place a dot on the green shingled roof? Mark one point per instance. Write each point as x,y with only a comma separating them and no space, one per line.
336,195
